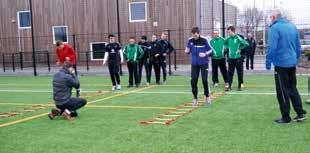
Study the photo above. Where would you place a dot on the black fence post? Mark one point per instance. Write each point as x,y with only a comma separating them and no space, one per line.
308,81
175,60
74,41
223,18
3,60
48,61
74,47
169,56
87,64
21,60
13,62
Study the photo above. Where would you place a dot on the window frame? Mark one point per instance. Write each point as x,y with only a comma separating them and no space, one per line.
67,30
92,50
145,7
19,19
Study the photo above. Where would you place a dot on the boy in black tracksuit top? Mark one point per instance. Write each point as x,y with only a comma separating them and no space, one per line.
114,57
155,52
144,61
167,49
250,52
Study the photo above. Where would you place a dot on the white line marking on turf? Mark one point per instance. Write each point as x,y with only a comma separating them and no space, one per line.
148,92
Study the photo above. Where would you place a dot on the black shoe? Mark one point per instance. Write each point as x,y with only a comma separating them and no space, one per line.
300,118
137,85
129,86
228,89
282,121
74,114
239,89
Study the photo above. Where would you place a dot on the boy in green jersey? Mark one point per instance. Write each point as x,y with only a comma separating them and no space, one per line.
133,53
218,58
235,44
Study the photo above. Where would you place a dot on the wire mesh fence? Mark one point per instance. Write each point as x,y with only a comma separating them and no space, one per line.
16,55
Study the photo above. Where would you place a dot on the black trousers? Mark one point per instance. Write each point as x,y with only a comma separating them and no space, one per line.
133,73
249,61
73,105
285,79
156,66
195,70
114,73
232,65
163,66
219,63
146,65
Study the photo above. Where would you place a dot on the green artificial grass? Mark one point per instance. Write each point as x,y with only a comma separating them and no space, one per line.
240,122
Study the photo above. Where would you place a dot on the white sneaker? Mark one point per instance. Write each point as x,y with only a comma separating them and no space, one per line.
113,88
118,87
226,85
242,85
147,84
208,102
195,103
216,85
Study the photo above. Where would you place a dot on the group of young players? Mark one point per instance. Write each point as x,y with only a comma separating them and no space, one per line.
152,55
148,54
200,49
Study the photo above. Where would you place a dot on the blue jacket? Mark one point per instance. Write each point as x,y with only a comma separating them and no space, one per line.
284,44
199,46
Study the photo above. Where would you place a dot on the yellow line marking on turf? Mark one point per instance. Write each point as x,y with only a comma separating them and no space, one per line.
22,120
129,107
23,104
95,106
43,114
120,94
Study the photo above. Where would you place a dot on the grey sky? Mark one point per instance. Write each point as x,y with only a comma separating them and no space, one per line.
298,9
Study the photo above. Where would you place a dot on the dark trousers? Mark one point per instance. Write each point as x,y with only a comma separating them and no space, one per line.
232,65
249,61
163,66
133,73
114,73
144,63
195,70
219,63
285,79
156,66
73,105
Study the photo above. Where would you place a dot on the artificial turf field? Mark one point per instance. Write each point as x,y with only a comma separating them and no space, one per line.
238,122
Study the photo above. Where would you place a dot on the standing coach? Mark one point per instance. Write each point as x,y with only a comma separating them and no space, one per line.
284,52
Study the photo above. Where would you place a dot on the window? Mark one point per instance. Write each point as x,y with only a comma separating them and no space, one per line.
60,33
97,50
24,19
137,12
